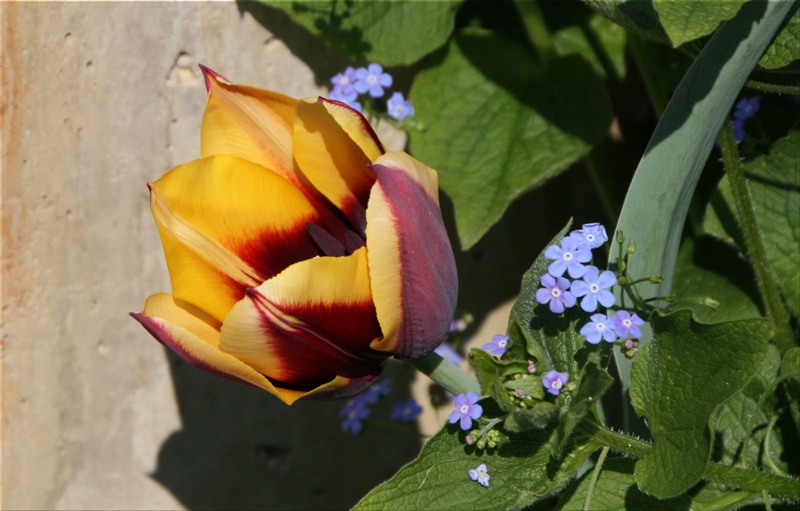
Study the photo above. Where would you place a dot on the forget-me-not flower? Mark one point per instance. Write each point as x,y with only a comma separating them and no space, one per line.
626,324
348,99
569,257
372,79
498,345
554,382
466,410
555,292
594,288
747,108
449,353
353,412
480,475
600,327
343,82
406,410
398,108
594,235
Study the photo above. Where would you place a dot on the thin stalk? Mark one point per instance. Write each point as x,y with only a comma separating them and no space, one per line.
446,374
538,33
756,252
658,96
772,87
593,481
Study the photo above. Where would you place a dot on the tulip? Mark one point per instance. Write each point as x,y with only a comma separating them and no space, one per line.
301,254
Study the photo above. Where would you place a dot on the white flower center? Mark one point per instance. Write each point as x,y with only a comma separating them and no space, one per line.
502,344
594,288
555,292
481,474
556,384
568,256
590,237
627,322
372,79
601,326
464,408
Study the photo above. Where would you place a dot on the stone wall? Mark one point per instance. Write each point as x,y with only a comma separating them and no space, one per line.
98,99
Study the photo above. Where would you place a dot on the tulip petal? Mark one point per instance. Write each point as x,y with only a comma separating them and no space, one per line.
253,124
309,324
333,148
196,341
413,272
227,225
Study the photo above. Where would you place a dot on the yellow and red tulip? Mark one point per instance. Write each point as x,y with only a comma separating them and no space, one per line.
302,255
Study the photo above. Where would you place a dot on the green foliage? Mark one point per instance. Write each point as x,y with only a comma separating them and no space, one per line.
679,381
774,185
390,33
494,131
636,16
599,41
688,20
785,49
522,472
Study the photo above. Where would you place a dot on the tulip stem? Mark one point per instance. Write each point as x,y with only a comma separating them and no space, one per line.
447,374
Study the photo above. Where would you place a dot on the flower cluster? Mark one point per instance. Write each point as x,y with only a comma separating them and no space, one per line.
466,410
744,109
371,80
358,408
593,288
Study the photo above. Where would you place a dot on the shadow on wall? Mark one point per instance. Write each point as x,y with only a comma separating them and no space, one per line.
241,448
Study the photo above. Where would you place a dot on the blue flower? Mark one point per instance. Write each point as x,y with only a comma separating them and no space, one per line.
466,410
554,382
593,235
568,257
398,108
343,82
447,352
406,410
458,325
498,345
599,328
738,130
480,474
371,395
555,293
594,288
354,411
746,108
372,79
348,99
626,325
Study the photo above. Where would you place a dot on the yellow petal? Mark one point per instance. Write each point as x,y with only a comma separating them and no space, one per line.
414,279
228,224
311,323
253,124
334,162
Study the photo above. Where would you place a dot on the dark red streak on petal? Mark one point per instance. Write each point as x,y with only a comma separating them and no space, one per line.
427,266
319,342
163,336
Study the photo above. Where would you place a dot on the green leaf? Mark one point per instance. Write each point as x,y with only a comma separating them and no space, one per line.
660,194
774,183
616,489
714,282
537,417
599,41
495,130
785,49
634,15
390,33
748,414
594,382
522,471
491,373
556,334
686,20
679,381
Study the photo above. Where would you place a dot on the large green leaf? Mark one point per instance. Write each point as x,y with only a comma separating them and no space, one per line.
686,20
599,41
785,49
747,414
522,471
679,381
495,124
388,32
714,282
661,191
557,334
635,15
774,183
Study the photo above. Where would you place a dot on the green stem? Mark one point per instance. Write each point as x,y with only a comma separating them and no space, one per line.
593,481
772,87
606,187
756,252
734,477
449,376
658,96
538,33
